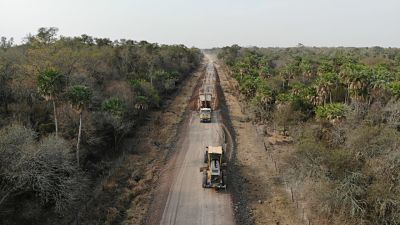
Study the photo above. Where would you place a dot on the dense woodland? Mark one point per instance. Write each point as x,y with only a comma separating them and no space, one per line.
66,104
342,107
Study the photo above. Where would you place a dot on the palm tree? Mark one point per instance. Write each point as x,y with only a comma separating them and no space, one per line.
50,85
263,91
116,109
381,78
141,103
301,95
248,87
289,72
263,67
357,77
306,69
79,97
241,69
324,85
325,66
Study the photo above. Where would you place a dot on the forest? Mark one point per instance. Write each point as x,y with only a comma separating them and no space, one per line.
341,106
66,104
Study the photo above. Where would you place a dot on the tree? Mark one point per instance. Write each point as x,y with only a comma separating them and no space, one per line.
5,44
306,68
7,69
79,97
115,109
114,106
146,95
248,87
357,77
103,42
324,85
325,66
47,35
51,84
289,72
300,96
43,170
86,39
229,54
381,79
263,99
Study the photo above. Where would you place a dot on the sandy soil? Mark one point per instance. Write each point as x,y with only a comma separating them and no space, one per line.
264,191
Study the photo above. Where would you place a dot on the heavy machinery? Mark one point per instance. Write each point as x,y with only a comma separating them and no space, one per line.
207,95
205,100
214,174
205,107
205,115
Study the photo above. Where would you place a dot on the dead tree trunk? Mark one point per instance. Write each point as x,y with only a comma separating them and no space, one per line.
79,138
55,117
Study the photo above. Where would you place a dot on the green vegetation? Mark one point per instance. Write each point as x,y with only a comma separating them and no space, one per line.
99,91
50,85
331,111
342,107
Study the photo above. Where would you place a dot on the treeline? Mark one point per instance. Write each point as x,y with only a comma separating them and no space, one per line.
341,106
66,103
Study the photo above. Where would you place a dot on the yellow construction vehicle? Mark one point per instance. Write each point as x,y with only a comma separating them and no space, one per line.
214,174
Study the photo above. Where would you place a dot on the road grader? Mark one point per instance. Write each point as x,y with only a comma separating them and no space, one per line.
214,174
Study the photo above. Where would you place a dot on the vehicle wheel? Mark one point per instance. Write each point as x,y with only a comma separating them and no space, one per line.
206,157
204,184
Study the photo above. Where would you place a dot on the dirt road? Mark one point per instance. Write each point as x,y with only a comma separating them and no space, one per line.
187,202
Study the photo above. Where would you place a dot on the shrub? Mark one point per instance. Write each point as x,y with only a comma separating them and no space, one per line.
331,111
370,141
114,106
394,88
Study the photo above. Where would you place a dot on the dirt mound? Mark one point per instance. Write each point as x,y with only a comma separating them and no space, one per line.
219,93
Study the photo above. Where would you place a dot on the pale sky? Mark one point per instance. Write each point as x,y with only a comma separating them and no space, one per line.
212,23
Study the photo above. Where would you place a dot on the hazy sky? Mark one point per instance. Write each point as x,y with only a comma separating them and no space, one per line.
212,23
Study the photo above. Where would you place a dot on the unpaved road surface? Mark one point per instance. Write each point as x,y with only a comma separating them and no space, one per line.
187,202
